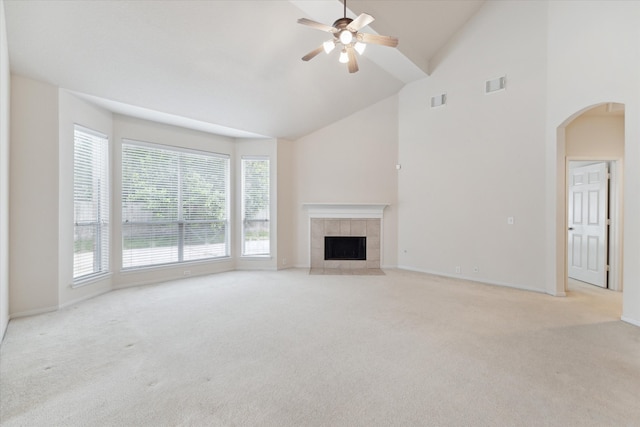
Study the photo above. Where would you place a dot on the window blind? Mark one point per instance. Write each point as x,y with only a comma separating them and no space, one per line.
90,203
175,205
255,206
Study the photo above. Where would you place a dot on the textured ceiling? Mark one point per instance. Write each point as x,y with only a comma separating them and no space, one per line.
230,67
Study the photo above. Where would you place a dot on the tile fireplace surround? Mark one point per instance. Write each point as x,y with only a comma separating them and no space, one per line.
345,220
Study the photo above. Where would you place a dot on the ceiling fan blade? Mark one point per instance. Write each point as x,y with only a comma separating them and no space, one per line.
376,39
352,65
317,25
360,22
313,53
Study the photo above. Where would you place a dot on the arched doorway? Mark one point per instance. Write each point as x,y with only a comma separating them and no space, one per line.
593,135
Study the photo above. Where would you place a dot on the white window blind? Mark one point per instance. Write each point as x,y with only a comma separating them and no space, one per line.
90,203
175,205
255,206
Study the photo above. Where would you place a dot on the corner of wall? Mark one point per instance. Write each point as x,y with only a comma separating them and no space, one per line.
285,225
33,196
4,174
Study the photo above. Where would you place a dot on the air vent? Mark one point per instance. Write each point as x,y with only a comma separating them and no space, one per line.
438,100
495,85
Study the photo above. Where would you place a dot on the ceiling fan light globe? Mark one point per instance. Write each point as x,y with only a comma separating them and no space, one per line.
328,46
344,57
346,37
360,47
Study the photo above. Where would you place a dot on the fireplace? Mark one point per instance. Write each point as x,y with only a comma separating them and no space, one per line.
358,226
345,248
358,242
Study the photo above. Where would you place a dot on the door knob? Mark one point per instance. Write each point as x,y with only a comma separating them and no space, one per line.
570,228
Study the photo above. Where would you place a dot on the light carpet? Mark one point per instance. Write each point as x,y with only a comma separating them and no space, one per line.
291,349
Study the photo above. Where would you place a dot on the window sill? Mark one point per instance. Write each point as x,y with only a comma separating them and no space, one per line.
256,257
89,280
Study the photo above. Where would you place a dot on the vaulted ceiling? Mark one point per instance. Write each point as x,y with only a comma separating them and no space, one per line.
228,67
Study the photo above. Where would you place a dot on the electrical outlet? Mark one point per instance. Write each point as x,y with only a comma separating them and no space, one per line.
476,269
284,261
510,220
458,269
186,273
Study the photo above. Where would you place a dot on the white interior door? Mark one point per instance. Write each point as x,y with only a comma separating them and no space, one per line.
588,210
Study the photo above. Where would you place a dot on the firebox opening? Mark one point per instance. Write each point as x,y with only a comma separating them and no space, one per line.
345,248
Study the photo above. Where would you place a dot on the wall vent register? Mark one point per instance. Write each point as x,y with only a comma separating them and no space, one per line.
495,85
438,101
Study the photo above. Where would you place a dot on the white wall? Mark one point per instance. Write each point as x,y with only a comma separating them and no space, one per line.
350,161
71,111
33,263
471,164
4,174
593,58
41,195
286,243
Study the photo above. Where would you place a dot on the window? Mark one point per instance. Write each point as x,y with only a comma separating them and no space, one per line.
90,203
175,205
255,206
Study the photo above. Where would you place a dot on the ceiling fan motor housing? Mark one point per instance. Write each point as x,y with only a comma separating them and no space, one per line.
342,23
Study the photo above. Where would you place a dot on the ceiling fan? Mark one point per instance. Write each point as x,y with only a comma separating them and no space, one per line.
347,36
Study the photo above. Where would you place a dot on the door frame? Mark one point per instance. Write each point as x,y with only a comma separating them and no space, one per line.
614,234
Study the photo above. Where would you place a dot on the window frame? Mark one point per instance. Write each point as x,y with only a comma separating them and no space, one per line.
180,221
101,222
243,220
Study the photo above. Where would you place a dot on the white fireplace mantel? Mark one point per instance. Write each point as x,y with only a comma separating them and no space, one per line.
345,210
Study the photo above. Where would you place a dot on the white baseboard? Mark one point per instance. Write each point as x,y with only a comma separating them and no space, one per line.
33,312
471,279
37,311
153,281
84,298
258,268
630,320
